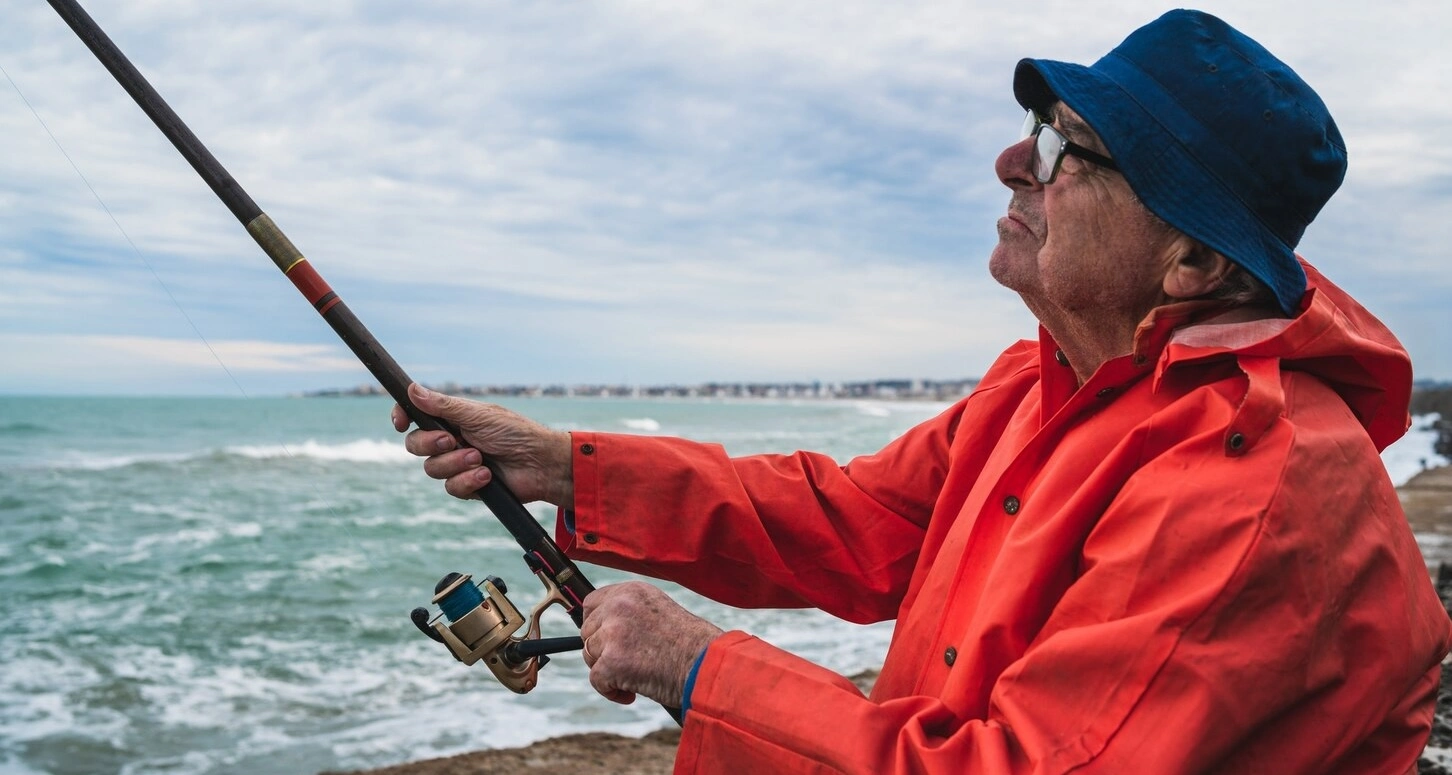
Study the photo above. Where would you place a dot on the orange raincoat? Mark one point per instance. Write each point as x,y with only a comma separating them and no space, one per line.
1194,562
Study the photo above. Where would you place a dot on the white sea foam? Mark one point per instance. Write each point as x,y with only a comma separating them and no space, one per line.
181,512
332,562
1413,453
84,461
474,514
10,766
483,543
36,715
244,530
923,409
33,691
641,424
360,451
429,517
194,537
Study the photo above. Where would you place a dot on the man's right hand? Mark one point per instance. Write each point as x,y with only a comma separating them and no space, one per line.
534,461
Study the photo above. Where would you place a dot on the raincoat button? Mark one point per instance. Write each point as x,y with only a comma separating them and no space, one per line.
587,449
1010,505
591,538
1236,441
1061,357
950,656
1139,360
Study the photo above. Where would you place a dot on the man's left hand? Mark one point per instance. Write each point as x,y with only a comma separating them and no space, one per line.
639,641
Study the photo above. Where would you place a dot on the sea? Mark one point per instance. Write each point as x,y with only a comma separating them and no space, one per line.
208,586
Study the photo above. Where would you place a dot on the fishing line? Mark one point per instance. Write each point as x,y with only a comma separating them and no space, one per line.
124,235
337,517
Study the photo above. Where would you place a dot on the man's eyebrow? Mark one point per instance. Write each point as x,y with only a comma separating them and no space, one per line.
1071,126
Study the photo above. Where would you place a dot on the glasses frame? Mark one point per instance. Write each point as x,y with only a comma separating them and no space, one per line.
1034,126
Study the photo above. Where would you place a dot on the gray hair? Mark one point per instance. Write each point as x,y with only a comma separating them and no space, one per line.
1240,288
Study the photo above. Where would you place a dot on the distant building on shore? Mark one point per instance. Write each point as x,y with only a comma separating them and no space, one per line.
882,389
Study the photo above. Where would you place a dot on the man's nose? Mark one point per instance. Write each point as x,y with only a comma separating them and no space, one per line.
1015,165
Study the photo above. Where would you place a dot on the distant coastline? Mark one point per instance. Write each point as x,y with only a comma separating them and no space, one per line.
1428,396
881,389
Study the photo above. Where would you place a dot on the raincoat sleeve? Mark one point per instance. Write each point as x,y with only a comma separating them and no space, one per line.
779,531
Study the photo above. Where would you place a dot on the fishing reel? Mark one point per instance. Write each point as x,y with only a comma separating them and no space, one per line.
478,621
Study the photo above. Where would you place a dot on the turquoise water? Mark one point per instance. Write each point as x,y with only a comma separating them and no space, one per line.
222,585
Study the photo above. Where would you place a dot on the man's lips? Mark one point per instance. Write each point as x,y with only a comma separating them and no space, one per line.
1016,221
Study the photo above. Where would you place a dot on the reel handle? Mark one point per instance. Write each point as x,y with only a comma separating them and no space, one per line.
518,651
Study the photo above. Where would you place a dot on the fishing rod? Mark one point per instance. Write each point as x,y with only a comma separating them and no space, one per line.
481,621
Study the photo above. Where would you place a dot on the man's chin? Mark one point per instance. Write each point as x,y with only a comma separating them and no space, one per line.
1001,266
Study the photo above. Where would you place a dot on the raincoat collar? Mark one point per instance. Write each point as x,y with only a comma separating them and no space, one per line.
1332,337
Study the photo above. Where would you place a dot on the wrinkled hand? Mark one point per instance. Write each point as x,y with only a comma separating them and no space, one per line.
534,461
639,641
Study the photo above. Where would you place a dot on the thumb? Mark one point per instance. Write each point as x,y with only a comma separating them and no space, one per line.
436,404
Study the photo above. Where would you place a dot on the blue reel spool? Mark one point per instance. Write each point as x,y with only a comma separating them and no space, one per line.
464,598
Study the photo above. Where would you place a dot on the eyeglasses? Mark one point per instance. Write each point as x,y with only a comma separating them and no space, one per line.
1050,147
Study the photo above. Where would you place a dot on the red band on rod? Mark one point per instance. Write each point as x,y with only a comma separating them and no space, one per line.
307,280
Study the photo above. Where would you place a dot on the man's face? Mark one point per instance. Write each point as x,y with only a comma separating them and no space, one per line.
1082,246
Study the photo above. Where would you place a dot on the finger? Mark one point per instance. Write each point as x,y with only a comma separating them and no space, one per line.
429,443
466,484
400,419
608,690
451,464
596,599
588,626
621,697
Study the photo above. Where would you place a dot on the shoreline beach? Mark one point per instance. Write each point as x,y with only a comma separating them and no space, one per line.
1427,499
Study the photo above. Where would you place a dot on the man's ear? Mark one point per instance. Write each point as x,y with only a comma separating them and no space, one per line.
1195,271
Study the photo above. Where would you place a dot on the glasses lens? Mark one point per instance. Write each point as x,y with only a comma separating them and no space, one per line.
1048,147
1030,120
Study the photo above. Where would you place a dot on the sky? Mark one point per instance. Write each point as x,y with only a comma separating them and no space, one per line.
613,192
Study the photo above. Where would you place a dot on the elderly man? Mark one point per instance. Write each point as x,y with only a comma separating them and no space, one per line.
1157,539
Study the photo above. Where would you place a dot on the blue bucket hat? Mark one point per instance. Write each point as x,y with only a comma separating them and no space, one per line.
1213,133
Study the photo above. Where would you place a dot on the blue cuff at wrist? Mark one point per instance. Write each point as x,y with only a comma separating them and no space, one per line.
691,683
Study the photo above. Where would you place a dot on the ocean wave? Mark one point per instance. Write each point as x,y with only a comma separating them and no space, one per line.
640,424
22,428
78,461
48,567
359,451
330,563
192,538
888,408
432,517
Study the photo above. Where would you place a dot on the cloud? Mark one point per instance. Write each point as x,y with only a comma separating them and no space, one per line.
69,363
520,191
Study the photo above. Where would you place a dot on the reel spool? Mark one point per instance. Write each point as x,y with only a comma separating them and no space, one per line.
478,622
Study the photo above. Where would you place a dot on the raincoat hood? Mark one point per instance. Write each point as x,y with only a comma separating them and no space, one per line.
1332,337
